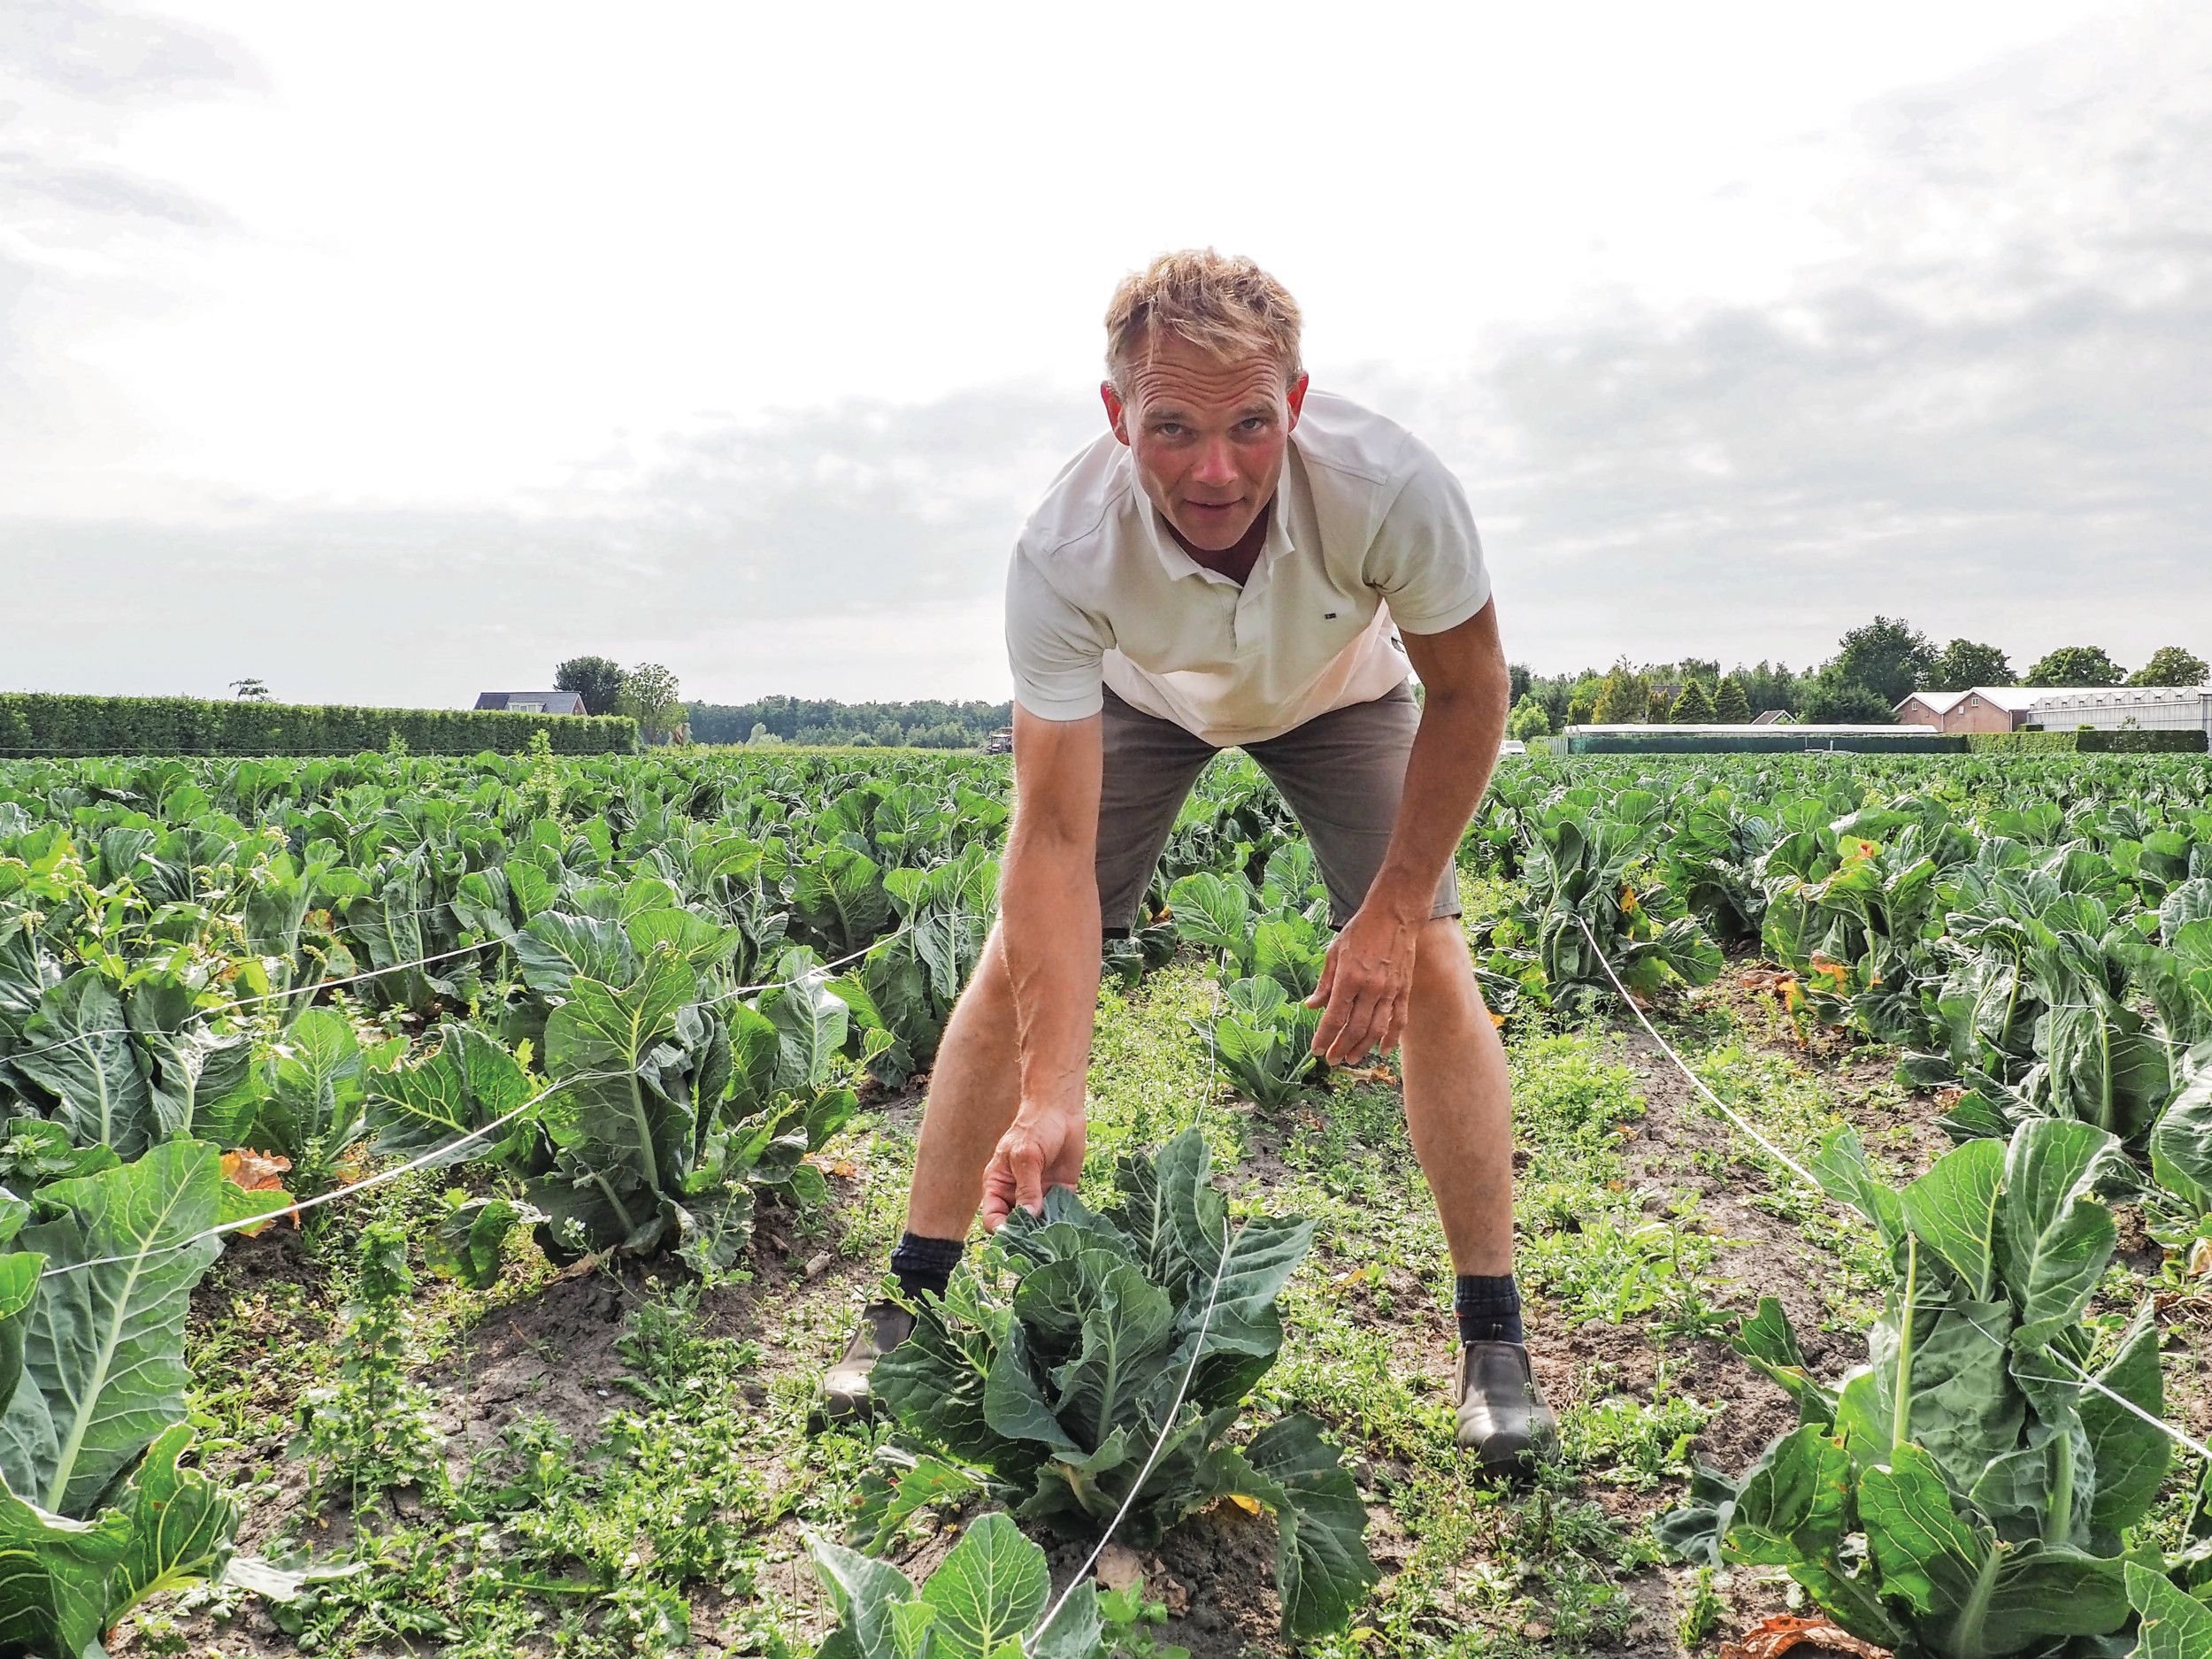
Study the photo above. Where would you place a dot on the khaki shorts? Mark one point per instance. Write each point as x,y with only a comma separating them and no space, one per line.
1341,772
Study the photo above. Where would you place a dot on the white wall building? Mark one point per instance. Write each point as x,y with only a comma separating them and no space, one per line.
2125,707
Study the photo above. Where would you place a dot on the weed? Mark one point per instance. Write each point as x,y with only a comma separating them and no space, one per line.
370,1428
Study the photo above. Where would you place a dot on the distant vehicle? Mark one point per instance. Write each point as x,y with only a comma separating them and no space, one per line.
1513,746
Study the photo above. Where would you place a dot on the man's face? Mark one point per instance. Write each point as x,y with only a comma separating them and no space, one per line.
1207,434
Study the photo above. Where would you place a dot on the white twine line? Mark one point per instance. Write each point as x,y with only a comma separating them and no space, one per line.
434,1155
1734,1115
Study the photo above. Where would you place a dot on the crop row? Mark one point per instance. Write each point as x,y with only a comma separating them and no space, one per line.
619,988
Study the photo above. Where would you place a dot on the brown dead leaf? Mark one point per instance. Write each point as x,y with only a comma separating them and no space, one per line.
1119,1567
2201,1258
1786,1632
258,1172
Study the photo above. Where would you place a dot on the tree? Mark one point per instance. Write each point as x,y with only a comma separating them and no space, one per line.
1731,707
1518,680
1694,707
1582,707
1888,656
253,690
650,697
1656,707
1529,718
1774,687
1624,699
2075,665
1837,700
2170,665
596,680
1964,664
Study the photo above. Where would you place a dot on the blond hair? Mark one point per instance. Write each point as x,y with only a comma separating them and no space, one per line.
1226,306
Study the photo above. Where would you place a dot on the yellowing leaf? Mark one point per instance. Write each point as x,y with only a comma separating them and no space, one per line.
257,1172
1250,1505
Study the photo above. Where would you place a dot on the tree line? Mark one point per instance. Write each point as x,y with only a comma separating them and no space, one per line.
1876,666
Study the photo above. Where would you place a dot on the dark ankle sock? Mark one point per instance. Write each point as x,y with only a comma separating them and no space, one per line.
1489,1308
925,1264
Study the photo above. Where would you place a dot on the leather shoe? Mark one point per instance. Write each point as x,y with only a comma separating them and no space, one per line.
844,1397
1502,1418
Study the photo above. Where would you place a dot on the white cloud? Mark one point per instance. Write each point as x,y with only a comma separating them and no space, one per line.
312,412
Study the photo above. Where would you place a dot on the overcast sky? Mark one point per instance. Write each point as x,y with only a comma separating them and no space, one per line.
391,354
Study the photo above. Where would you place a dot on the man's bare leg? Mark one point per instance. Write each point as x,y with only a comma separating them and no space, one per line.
973,1094
1459,1112
1458,1103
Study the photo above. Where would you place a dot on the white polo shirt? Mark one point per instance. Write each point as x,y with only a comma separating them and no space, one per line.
1368,534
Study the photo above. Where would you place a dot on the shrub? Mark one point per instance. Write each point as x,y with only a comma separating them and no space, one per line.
46,723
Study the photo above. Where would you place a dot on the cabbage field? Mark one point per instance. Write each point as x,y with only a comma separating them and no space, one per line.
430,1187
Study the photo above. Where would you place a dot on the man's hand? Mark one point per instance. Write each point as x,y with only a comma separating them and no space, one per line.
1041,1147
1366,983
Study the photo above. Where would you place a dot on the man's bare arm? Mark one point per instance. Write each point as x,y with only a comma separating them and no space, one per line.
1048,927
1369,973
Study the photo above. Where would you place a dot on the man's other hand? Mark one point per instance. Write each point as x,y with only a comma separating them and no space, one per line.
1366,984
1042,1148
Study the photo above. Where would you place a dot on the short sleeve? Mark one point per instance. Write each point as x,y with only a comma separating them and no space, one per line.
1426,559
1054,650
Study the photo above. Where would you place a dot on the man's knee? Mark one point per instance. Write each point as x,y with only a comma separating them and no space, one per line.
1442,964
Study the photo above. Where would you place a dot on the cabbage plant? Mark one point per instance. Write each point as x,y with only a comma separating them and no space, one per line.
1961,1496
1144,1325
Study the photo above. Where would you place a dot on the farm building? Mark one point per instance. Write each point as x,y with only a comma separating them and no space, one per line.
2060,708
1984,709
2127,708
531,701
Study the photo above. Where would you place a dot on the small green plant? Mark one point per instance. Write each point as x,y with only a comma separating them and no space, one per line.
370,1428
1701,1617
1130,1619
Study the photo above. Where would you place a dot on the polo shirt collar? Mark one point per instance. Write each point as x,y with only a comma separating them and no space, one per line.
1275,548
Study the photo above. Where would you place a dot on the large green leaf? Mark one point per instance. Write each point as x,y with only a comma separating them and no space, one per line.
1117,1325
20,1271
839,891
182,1527
990,1589
865,1592
54,1576
1973,1595
471,1081
2181,1144
1213,913
2176,1625
103,1368
2130,1455
89,1064
1322,1571
555,949
1954,1208
632,1105
2056,1237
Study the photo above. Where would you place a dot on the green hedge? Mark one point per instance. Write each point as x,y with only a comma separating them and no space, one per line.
2131,741
37,723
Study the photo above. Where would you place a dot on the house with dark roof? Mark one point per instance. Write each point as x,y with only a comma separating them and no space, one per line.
531,701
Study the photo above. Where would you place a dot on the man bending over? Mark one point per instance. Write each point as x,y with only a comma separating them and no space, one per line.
1238,563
